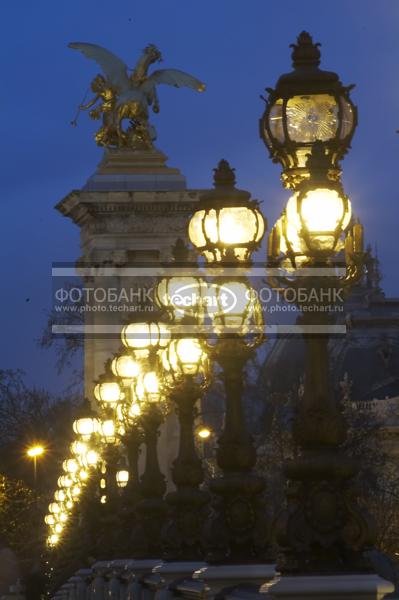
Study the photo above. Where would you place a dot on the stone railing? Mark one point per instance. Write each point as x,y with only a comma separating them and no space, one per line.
156,580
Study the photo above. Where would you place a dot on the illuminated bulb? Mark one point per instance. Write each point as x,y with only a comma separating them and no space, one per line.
83,475
52,540
91,458
60,495
103,499
141,337
108,432
85,427
64,481
54,508
70,465
204,433
49,520
183,356
125,367
323,209
108,392
79,448
148,388
122,478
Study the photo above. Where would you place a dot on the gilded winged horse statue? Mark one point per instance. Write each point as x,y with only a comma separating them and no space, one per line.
120,97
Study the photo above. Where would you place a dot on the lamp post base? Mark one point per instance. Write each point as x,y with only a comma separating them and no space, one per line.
331,587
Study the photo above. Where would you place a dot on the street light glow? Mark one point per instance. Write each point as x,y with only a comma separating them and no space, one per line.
35,451
204,433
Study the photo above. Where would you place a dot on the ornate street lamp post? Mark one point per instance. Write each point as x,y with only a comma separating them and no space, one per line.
308,124
226,228
146,537
186,368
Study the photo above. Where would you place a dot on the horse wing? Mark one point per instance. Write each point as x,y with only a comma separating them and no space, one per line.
171,77
113,67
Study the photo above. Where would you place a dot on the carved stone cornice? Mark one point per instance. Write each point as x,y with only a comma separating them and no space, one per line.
82,206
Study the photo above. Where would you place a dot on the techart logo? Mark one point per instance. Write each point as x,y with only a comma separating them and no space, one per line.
214,299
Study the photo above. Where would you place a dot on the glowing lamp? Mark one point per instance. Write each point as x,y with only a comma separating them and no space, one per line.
312,226
308,106
148,387
235,308
49,520
183,357
125,367
108,393
204,433
70,465
85,427
108,431
144,337
227,225
122,478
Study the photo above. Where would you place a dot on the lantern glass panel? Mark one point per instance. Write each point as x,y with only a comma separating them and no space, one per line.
312,118
195,231
347,118
276,121
322,210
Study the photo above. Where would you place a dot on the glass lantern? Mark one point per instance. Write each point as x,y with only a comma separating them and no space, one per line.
144,337
85,427
122,478
312,226
125,367
235,308
108,431
148,388
227,225
181,297
108,393
308,106
184,357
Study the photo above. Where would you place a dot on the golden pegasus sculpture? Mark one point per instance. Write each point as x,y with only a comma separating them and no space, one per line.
119,97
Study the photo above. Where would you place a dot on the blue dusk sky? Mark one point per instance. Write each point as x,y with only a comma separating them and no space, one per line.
237,47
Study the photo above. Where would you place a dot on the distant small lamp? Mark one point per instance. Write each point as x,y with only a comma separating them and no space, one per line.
308,106
227,225
148,388
108,431
85,427
204,433
122,478
65,481
125,367
70,466
53,540
143,337
54,508
108,392
127,413
90,458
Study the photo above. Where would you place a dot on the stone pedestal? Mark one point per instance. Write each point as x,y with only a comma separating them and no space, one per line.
220,577
130,212
337,587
